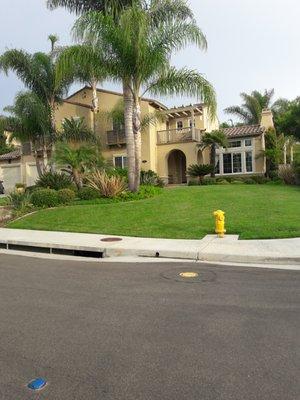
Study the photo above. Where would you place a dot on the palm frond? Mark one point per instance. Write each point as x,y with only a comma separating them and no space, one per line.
184,82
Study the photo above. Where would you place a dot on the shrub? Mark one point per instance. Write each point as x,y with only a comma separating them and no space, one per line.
287,174
296,168
223,182
88,193
118,172
249,181
209,181
108,186
199,171
260,179
145,192
20,186
54,180
237,182
66,196
19,200
45,198
151,178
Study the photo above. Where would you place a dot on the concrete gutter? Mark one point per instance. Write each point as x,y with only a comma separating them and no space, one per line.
210,248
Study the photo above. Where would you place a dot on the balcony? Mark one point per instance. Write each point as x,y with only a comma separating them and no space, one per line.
115,138
179,135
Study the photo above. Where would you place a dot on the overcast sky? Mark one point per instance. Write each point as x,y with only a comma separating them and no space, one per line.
253,44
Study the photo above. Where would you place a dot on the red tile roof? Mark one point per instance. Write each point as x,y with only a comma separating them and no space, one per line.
11,156
244,130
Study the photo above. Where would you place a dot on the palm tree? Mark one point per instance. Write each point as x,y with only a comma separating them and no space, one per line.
139,56
38,73
53,39
84,63
77,160
212,140
75,132
199,171
82,6
29,121
251,110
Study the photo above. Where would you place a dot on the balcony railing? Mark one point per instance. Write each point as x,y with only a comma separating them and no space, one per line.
115,138
178,135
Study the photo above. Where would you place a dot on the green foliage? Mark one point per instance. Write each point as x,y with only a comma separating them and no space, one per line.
251,110
260,179
151,178
249,181
296,168
237,182
223,182
200,170
45,198
54,180
66,196
287,117
88,193
209,181
273,153
75,130
145,192
20,201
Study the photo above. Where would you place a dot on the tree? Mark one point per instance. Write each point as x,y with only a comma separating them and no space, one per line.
82,6
53,39
76,161
4,146
250,111
287,117
38,73
212,140
84,63
139,56
29,121
200,170
77,149
274,150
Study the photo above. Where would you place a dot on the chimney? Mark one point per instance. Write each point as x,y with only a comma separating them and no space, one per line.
267,119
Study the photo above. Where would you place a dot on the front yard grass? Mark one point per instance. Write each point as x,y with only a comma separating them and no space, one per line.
252,211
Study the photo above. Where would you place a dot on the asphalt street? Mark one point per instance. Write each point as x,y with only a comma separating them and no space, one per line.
103,331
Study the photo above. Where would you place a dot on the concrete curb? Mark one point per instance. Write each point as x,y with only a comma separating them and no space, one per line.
210,248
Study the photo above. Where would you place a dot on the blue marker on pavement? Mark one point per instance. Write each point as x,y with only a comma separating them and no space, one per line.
37,384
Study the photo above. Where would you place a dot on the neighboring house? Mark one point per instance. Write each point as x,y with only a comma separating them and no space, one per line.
168,147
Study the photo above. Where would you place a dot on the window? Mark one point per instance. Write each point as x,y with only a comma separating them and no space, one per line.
179,124
232,163
120,162
235,143
237,163
217,167
191,123
249,167
248,142
227,160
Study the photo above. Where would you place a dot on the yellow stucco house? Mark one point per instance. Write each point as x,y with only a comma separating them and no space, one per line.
168,146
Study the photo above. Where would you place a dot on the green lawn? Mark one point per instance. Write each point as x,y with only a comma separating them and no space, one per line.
253,211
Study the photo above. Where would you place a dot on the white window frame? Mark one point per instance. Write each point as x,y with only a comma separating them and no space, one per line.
123,156
220,151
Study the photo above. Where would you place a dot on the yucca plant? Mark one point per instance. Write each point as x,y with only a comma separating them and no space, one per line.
108,186
199,171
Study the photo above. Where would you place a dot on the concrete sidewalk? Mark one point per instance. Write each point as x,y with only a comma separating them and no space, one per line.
210,248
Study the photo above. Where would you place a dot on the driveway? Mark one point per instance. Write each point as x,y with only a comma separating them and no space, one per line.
99,331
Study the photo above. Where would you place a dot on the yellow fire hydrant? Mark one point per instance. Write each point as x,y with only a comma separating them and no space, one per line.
220,223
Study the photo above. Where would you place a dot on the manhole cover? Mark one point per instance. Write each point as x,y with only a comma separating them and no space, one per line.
188,276
111,239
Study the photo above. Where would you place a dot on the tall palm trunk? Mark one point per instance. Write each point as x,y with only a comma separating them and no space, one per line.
95,104
128,123
213,159
77,178
137,140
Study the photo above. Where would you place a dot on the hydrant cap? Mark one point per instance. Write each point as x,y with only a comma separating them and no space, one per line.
218,212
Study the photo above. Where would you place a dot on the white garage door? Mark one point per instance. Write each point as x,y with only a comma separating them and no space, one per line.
10,175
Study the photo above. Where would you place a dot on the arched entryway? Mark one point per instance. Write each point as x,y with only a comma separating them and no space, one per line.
177,167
